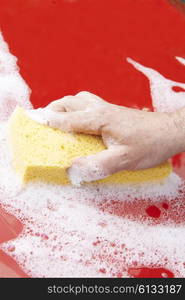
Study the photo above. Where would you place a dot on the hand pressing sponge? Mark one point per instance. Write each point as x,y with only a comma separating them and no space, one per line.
42,153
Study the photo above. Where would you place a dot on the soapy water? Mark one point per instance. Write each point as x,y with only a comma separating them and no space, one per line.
13,89
164,97
94,230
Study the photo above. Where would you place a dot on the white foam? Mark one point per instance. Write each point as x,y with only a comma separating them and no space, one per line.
164,99
13,89
63,224
39,115
180,59
85,173
74,232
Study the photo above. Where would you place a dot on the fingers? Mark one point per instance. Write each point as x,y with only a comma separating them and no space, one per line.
80,101
81,113
89,122
98,166
67,104
58,105
91,98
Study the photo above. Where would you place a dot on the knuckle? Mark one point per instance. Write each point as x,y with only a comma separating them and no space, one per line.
54,104
83,93
66,99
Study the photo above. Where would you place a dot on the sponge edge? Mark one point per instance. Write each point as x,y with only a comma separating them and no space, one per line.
41,153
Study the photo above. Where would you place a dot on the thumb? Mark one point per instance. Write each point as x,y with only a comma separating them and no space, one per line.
98,166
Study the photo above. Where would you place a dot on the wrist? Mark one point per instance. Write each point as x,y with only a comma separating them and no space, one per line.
178,128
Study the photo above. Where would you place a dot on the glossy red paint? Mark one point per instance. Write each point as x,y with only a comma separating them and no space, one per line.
9,268
177,89
150,273
64,47
153,211
165,205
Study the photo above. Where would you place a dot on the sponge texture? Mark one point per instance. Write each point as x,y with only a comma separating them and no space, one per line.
41,153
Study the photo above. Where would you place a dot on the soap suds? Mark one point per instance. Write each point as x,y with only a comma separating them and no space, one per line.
164,99
85,173
39,115
78,232
180,59
68,233
13,89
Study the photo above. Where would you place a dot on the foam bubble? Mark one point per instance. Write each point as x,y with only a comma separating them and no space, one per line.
180,59
13,89
164,99
90,171
67,233
40,115
90,231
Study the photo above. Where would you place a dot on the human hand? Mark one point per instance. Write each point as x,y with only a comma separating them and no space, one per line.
134,139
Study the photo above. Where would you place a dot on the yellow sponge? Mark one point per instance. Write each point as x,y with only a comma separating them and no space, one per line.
42,153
